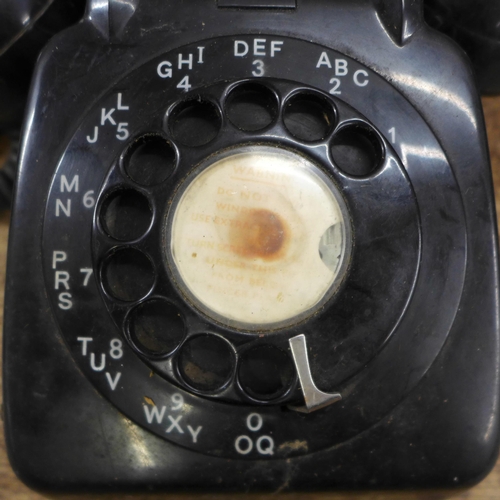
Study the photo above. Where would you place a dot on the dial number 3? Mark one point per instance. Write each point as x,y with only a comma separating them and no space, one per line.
259,68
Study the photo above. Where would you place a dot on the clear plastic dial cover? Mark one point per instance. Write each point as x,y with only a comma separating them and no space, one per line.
258,237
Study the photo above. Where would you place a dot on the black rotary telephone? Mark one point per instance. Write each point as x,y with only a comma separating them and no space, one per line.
253,248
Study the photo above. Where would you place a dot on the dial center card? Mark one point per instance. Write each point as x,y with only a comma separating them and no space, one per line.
258,237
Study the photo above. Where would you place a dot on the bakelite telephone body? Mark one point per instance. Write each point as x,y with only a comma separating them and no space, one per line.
253,248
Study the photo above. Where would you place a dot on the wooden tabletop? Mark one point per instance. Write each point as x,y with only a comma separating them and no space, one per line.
12,489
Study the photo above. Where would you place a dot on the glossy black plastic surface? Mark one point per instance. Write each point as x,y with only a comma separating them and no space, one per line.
411,338
25,28
475,26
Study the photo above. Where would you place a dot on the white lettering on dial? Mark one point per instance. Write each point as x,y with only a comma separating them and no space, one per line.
184,84
85,342
336,86
194,432
243,445
61,281
88,199
341,66
188,61
69,186
152,414
108,117
58,256
254,422
240,48
122,132
260,47
324,60
164,69
174,423
200,54
65,301
116,349
178,401
63,208
113,382
361,78
392,132
98,362
263,444
259,68
91,139
93,364
88,273
120,106
185,62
